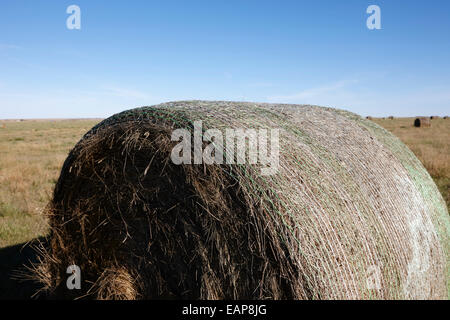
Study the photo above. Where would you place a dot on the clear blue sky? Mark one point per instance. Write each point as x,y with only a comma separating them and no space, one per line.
134,53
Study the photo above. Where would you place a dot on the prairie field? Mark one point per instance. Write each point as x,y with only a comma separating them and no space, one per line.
33,151
31,155
430,145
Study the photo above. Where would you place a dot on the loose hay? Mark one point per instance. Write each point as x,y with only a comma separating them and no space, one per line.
351,214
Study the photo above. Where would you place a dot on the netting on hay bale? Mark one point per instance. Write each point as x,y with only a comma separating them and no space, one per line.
350,214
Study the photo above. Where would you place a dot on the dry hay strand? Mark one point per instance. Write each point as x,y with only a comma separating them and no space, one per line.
422,122
116,284
350,214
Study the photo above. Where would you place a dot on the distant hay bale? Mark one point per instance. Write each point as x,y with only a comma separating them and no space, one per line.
422,122
445,117
350,214
434,117
391,118
369,118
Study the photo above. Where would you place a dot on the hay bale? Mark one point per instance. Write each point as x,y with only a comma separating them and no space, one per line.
369,118
350,214
434,117
422,122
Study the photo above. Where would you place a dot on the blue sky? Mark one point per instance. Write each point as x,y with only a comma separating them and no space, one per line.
134,53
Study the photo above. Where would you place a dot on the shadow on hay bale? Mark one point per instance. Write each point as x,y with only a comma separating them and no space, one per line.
351,213
422,122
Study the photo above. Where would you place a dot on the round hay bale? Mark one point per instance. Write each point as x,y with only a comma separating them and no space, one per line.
434,117
369,118
391,118
350,214
422,122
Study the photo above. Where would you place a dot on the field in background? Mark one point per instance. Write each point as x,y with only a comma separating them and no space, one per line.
430,145
33,151
31,155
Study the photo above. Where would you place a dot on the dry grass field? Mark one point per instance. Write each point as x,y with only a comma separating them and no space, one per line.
33,151
430,145
31,155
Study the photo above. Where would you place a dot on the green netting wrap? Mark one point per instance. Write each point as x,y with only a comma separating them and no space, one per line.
350,213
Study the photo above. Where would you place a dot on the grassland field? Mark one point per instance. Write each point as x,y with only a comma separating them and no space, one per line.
33,151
